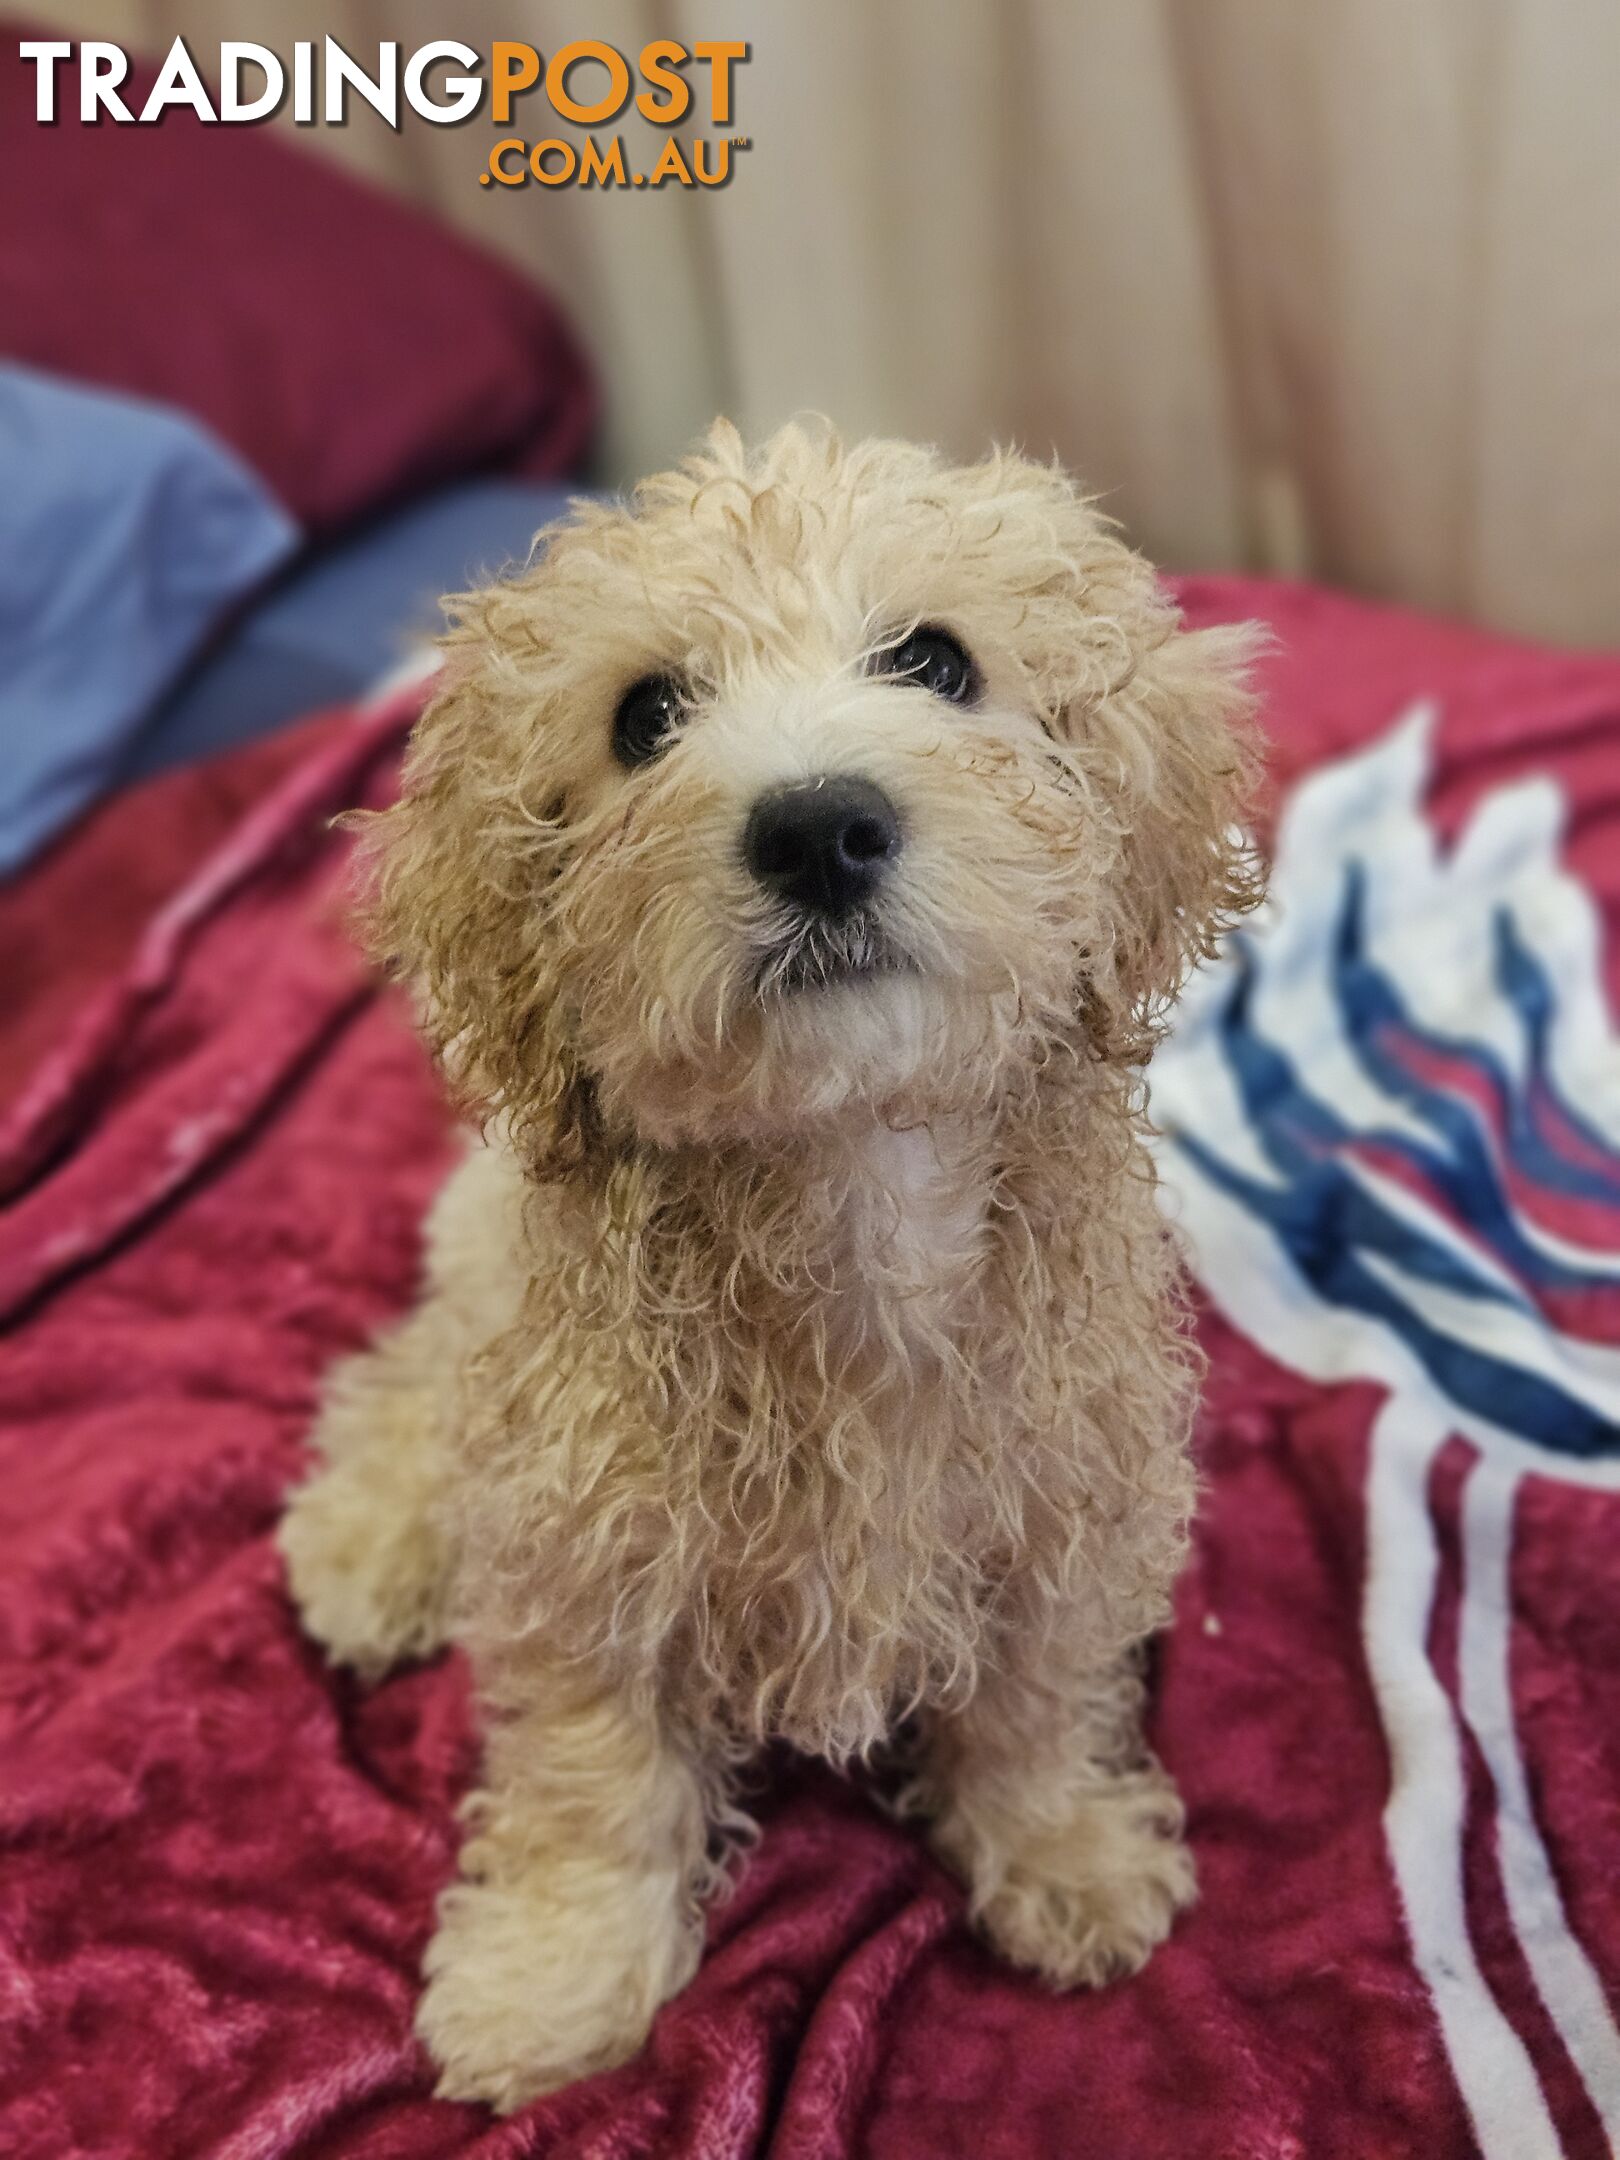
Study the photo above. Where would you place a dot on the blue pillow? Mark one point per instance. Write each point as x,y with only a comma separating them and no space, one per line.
341,619
126,533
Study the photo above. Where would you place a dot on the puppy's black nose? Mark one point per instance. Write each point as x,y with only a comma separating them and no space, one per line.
823,844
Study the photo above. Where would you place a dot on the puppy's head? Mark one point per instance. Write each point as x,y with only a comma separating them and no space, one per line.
814,783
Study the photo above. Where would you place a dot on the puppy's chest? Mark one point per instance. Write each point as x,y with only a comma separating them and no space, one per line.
855,1571
904,1264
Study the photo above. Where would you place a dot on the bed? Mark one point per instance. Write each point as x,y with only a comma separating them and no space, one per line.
1391,1141
1389,1127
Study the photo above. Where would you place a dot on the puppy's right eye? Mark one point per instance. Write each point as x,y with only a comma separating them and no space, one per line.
647,712
934,660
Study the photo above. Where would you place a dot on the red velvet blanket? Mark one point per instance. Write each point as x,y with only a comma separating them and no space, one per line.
1392,1693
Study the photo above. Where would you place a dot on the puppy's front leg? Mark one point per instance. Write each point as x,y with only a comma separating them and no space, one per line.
368,1562
577,1911
1066,1831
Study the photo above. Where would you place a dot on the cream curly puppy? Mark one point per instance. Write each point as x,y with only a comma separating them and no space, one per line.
793,868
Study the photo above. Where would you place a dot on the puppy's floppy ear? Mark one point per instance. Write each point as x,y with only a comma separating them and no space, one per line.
1176,747
457,906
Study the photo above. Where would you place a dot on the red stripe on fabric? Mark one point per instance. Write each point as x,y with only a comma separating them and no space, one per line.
1396,1168
1491,1930
1565,1668
1589,1221
1583,1315
1560,1132
1592,1224
1274,1730
1444,1073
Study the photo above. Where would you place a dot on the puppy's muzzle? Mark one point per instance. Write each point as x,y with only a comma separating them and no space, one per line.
823,846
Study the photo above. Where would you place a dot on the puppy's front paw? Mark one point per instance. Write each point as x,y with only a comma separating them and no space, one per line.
1090,1901
529,1990
367,1570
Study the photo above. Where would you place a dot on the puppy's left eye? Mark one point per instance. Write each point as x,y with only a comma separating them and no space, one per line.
647,712
936,661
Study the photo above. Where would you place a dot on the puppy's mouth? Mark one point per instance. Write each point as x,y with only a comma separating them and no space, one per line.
825,956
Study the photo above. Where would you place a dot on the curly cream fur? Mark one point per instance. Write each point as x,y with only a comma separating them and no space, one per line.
794,1361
